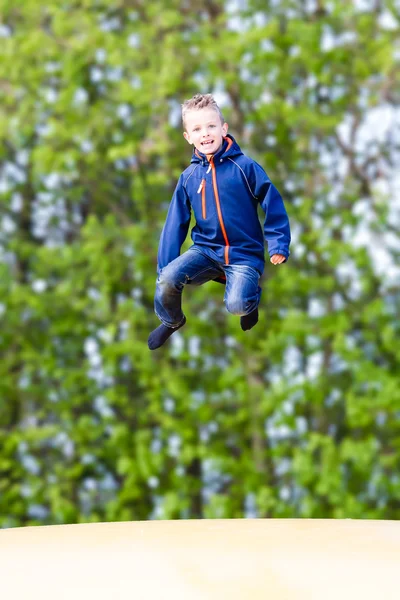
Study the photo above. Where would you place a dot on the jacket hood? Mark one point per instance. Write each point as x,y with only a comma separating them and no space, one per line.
229,149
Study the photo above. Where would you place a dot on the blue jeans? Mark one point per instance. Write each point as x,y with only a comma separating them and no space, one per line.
242,292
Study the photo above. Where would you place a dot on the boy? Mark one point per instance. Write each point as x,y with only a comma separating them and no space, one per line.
224,188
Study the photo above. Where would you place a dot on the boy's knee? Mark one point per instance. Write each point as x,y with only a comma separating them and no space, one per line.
237,306
168,280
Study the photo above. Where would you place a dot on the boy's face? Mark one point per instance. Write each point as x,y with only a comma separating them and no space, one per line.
204,130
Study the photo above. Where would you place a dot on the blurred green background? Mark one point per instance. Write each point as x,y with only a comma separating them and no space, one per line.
299,417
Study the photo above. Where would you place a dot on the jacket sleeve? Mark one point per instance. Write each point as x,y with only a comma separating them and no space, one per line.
276,224
175,228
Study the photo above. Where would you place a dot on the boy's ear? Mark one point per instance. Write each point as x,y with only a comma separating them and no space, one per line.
187,137
225,128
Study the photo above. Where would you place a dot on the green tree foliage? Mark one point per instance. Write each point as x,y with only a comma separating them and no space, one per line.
296,418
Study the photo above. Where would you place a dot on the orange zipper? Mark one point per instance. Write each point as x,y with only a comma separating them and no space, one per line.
221,220
202,189
203,199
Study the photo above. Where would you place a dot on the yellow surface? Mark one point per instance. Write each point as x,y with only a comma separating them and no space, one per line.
203,560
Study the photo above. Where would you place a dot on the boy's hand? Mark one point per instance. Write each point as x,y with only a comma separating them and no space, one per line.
278,259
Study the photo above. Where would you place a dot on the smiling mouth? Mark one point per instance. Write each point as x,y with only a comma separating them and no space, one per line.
207,143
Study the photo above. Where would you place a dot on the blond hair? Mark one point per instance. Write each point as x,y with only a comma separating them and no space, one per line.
198,102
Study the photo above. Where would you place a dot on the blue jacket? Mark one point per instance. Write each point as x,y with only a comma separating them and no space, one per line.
224,195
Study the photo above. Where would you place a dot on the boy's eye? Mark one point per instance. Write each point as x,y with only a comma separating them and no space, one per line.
212,125
196,129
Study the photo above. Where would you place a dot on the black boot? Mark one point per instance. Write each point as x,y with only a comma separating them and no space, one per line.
159,336
248,321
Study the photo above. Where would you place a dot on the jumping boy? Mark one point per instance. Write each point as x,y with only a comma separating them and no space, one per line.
224,188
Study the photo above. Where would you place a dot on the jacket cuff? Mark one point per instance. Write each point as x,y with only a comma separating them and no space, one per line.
282,251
